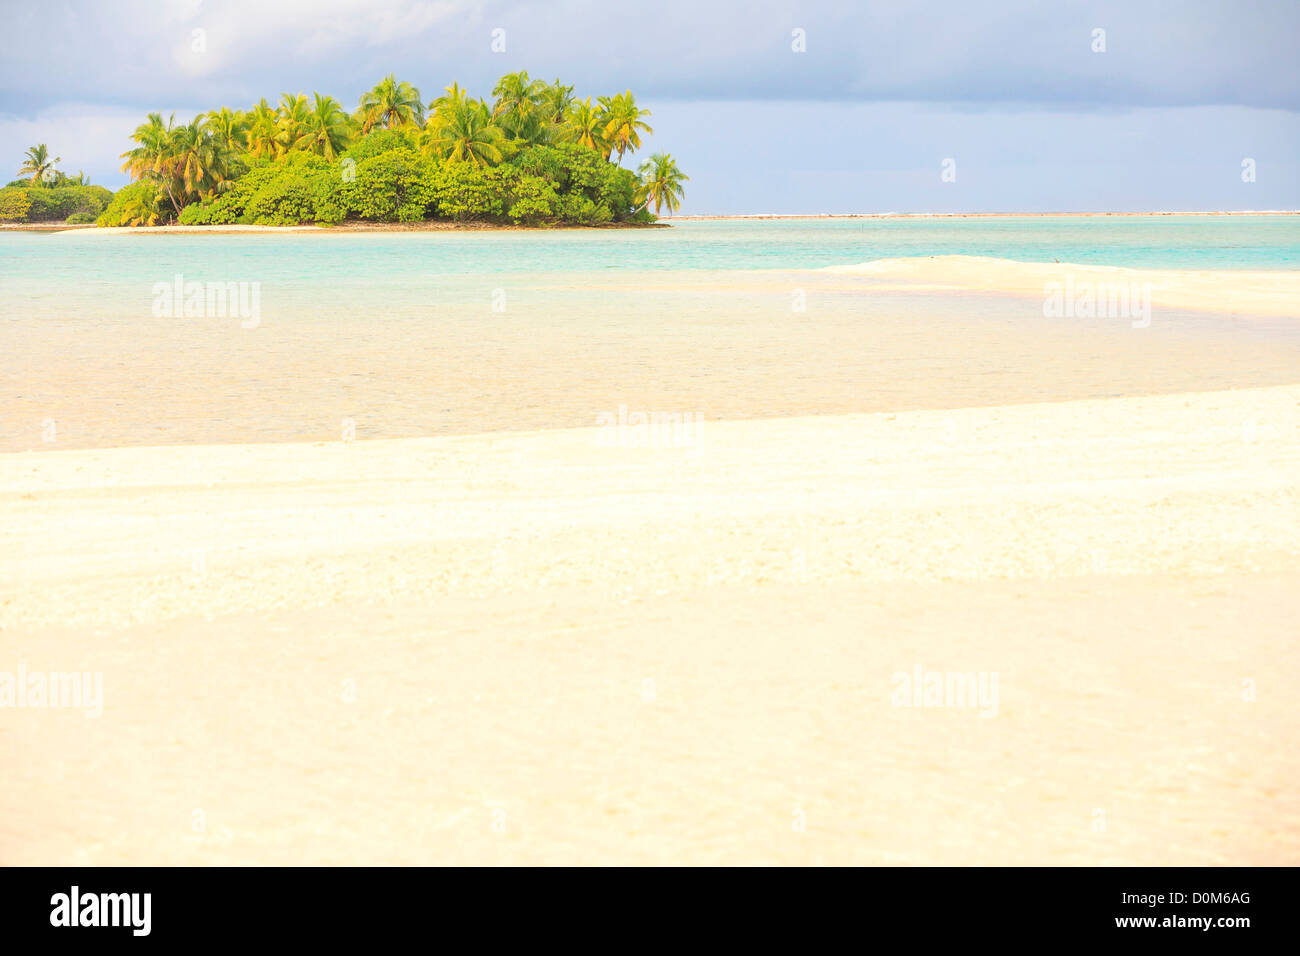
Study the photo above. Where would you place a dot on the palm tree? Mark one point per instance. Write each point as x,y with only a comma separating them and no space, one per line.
38,164
555,102
661,182
292,122
229,128
152,138
153,158
585,126
390,104
464,132
623,124
326,128
201,163
264,131
455,97
518,107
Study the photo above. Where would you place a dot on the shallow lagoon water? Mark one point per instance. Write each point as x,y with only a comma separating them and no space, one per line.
409,334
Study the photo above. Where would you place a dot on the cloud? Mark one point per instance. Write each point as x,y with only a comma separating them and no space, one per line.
1196,52
1015,90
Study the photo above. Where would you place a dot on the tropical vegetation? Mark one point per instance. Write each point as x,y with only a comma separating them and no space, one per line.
38,165
532,153
44,193
661,182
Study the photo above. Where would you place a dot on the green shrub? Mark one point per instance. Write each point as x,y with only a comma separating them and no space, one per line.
80,218
396,186
15,202
230,206
329,197
581,210
102,193
46,206
261,195
285,200
378,141
532,200
553,163
136,204
617,191
577,174
217,211
464,191
57,204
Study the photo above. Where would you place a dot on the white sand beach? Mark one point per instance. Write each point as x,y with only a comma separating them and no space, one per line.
556,647
1265,293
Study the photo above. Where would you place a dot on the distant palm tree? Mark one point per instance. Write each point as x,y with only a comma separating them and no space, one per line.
229,128
264,131
464,132
390,104
516,94
292,122
187,162
585,125
453,98
38,164
661,182
201,163
555,101
519,108
623,123
153,157
326,128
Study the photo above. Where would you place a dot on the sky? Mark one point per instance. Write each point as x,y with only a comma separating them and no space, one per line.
769,107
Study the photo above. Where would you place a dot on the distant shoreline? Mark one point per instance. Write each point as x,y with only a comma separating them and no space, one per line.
235,228
440,226
983,215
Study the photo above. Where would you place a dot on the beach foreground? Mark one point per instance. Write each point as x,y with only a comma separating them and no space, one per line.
558,647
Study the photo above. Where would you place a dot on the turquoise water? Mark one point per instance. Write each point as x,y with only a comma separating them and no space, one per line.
34,264
88,275
430,333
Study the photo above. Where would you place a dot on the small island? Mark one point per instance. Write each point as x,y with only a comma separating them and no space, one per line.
535,156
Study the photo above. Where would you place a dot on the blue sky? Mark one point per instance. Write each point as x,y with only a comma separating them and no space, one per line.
1014,93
